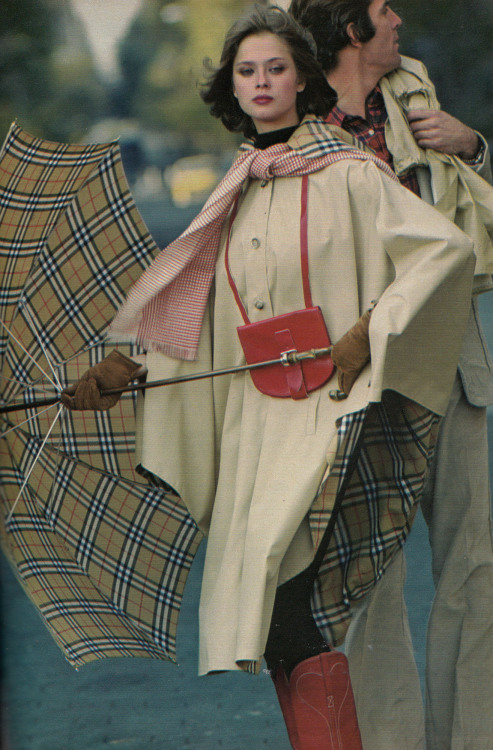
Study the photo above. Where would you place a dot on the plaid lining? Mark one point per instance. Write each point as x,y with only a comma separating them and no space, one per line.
395,439
379,504
102,555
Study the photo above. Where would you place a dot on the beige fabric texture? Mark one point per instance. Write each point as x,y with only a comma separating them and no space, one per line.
252,486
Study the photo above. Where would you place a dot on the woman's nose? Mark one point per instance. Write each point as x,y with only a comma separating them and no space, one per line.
261,80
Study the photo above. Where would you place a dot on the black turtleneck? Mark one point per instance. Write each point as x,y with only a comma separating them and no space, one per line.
264,140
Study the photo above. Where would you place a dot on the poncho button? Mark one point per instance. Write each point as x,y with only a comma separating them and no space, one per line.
337,395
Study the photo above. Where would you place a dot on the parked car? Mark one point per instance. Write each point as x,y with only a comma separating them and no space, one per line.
191,179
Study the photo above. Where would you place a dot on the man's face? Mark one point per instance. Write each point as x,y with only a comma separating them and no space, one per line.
381,53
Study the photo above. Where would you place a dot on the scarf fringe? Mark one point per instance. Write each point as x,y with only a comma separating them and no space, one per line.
170,350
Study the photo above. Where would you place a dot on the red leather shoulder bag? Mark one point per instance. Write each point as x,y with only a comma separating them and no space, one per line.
295,331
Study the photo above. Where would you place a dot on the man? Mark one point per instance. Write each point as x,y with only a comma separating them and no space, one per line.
388,104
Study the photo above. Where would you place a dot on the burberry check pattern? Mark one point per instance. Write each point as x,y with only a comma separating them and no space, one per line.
165,308
102,555
383,453
93,551
394,440
371,132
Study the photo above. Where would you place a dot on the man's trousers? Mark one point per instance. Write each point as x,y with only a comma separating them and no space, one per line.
459,654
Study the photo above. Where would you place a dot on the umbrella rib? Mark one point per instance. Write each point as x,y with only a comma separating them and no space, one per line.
57,387
25,421
57,383
55,420
16,381
39,388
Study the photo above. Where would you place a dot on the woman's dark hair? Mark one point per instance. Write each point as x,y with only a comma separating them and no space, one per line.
327,22
317,97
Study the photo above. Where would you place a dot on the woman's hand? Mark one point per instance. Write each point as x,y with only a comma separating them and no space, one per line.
115,371
352,352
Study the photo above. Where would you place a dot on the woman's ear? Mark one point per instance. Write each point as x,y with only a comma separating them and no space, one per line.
300,85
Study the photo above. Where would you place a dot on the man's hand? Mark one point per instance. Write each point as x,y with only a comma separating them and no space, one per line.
438,130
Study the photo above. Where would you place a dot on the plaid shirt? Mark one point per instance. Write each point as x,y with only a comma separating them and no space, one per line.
371,132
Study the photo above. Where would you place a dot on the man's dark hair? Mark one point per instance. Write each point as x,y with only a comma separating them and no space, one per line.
327,21
317,97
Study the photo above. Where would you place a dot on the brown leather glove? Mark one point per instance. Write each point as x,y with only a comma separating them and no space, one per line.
115,371
352,353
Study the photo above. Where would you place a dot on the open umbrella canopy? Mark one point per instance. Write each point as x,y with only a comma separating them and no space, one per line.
103,555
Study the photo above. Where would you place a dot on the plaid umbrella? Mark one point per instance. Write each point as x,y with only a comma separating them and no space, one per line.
103,555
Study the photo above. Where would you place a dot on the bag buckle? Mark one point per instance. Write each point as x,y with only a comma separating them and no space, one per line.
292,356
288,357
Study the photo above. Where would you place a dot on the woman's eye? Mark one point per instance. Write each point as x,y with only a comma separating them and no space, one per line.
277,69
245,71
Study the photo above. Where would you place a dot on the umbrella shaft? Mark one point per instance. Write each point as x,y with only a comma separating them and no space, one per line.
30,404
288,359
187,378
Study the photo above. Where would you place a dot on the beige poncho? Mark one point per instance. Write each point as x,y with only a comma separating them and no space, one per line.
249,467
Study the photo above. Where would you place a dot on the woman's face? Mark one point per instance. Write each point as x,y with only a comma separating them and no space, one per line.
266,82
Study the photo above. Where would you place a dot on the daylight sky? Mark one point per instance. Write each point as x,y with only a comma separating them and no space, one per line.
106,22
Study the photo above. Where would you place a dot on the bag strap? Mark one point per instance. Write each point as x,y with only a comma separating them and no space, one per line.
226,263
305,274
303,251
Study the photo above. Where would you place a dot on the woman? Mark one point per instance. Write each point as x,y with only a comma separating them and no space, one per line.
301,222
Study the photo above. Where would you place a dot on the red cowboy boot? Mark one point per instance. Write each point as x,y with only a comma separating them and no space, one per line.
322,704
281,684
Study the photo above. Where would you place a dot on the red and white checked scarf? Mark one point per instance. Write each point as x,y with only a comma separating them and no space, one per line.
165,307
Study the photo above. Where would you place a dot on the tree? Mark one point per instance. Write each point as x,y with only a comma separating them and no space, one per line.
161,60
26,40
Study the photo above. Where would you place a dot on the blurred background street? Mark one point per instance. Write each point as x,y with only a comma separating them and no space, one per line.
84,71
138,704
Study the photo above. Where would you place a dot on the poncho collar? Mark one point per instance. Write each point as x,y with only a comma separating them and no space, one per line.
165,307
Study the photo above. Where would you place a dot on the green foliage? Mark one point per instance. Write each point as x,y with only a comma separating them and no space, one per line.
25,44
149,59
162,62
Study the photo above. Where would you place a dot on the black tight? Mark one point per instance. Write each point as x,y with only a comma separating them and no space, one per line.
293,635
